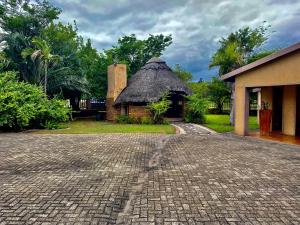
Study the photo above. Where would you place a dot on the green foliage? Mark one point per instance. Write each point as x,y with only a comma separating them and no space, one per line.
135,53
146,120
41,57
52,113
196,108
200,88
124,119
23,105
22,20
184,75
259,55
238,47
218,92
159,108
26,17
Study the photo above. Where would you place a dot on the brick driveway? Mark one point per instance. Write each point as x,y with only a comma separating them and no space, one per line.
147,179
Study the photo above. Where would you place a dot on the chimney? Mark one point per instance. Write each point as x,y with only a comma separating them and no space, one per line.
117,81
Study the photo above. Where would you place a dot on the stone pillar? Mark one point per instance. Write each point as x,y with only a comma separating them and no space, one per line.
241,110
289,110
117,81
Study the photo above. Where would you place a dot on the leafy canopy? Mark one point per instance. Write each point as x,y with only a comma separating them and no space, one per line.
135,53
184,75
235,50
218,93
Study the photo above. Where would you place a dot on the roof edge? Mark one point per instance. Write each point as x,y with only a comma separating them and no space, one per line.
261,61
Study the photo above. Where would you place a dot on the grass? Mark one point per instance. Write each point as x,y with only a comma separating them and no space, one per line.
89,126
221,123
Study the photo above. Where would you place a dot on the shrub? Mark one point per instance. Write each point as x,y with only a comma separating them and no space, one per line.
124,119
158,109
53,112
196,108
146,120
23,105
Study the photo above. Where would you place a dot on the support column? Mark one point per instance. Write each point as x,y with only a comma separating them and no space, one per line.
241,110
289,110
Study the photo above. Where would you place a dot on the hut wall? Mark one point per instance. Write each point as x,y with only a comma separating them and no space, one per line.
138,112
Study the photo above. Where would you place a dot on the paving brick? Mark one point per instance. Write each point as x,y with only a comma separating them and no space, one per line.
196,178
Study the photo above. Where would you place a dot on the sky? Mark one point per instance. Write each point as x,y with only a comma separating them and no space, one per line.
195,25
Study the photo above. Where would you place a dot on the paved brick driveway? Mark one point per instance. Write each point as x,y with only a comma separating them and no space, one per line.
147,179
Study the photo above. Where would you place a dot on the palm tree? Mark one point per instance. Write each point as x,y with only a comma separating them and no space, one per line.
41,57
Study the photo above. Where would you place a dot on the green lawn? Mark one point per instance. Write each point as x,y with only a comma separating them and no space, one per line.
221,123
89,126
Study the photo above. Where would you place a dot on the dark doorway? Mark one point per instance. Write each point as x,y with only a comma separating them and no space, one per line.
176,107
298,112
277,109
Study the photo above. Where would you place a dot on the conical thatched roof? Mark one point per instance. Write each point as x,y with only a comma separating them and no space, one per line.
151,82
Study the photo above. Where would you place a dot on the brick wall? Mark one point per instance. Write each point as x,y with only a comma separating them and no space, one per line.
138,112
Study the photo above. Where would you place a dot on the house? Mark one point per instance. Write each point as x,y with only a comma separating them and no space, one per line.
148,85
278,77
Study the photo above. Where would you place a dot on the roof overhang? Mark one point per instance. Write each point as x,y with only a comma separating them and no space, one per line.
270,58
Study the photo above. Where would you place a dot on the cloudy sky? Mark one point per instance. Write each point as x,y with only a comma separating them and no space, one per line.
196,25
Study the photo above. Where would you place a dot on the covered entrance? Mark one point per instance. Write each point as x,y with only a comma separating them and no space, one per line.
278,77
176,107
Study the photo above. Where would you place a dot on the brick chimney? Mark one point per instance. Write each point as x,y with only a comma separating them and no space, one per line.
117,81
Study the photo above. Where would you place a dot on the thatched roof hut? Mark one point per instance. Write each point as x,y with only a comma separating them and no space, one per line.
150,83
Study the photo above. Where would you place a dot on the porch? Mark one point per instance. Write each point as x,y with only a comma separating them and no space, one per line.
284,101
277,136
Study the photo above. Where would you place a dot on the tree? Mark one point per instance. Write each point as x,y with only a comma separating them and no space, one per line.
135,53
41,57
238,47
236,50
199,88
184,75
21,21
68,77
218,93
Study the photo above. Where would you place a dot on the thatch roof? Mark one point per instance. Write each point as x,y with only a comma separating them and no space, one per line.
151,82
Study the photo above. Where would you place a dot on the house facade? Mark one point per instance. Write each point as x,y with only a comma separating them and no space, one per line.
278,77
149,84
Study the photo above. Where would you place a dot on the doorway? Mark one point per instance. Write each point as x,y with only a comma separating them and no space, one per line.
176,107
277,108
298,112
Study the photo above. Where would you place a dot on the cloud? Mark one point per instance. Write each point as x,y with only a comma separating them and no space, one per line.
196,25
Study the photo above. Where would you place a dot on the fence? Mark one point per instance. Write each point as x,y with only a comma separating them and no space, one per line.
226,106
98,104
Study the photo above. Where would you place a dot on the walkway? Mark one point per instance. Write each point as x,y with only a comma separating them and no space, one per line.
147,179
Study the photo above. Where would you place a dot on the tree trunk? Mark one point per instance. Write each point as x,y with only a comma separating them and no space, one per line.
45,78
232,104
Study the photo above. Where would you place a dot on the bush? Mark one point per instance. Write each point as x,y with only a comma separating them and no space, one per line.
158,109
54,112
23,105
146,120
124,119
196,108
